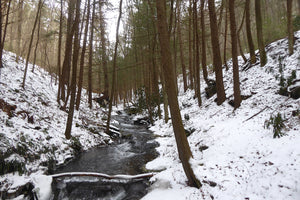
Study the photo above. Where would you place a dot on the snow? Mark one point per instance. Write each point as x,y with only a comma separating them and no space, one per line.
42,186
243,159
39,144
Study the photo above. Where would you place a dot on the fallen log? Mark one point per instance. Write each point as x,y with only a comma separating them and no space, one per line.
101,175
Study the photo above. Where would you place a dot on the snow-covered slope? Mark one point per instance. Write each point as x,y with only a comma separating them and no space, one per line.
235,157
32,138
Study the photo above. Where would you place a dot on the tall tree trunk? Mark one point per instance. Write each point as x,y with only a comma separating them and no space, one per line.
74,71
40,4
80,81
59,51
217,60
238,38
104,51
182,144
183,67
114,69
249,35
234,41
203,42
191,71
225,37
290,26
3,36
68,52
19,29
197,56
36,44
90,86
260,39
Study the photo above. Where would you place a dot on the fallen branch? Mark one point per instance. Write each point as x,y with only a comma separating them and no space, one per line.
106,176
256,114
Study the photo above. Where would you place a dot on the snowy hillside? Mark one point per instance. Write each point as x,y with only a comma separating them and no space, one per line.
32,126
235,157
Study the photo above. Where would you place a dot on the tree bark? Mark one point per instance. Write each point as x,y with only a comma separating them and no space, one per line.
183,67
217,60
197,56
59,51
90,86
234,41
249,35
74,71
182,144
290,26
68,52
40,5
80,80
104,51
260,40
114,69
203,42
191,71
19,30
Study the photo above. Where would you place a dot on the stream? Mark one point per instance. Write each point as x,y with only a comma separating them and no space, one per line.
128,155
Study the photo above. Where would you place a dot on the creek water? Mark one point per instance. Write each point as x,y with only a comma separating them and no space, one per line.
127,155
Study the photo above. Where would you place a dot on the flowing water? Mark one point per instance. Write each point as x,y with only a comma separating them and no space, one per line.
128,156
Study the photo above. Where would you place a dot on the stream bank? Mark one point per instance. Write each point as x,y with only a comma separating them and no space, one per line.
127,155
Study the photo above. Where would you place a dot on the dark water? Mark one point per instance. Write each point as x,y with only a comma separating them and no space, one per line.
127,156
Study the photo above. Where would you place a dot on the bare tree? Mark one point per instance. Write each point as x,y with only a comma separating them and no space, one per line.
40,5
217,60
249,35
290,26
182,144
80,81
260,39
114,69
234,41
74,71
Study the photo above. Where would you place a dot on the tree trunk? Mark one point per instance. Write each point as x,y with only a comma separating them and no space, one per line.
225,37
80,81
290,26
19,29
40,5
90,86
183,67
181,140
260,40
68,52
36,44
249,35
104,51
203,42
59,51
197,56
2,36
74,71
234,40
114,69
217,60
191,71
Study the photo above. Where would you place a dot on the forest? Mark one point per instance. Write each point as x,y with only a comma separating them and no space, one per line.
198,99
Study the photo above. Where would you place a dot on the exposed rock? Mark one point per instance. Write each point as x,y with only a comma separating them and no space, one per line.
211,88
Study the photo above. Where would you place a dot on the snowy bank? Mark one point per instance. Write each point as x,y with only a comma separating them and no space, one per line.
235,157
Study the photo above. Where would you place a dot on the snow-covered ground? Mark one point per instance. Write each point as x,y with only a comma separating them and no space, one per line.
235,157
31,146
